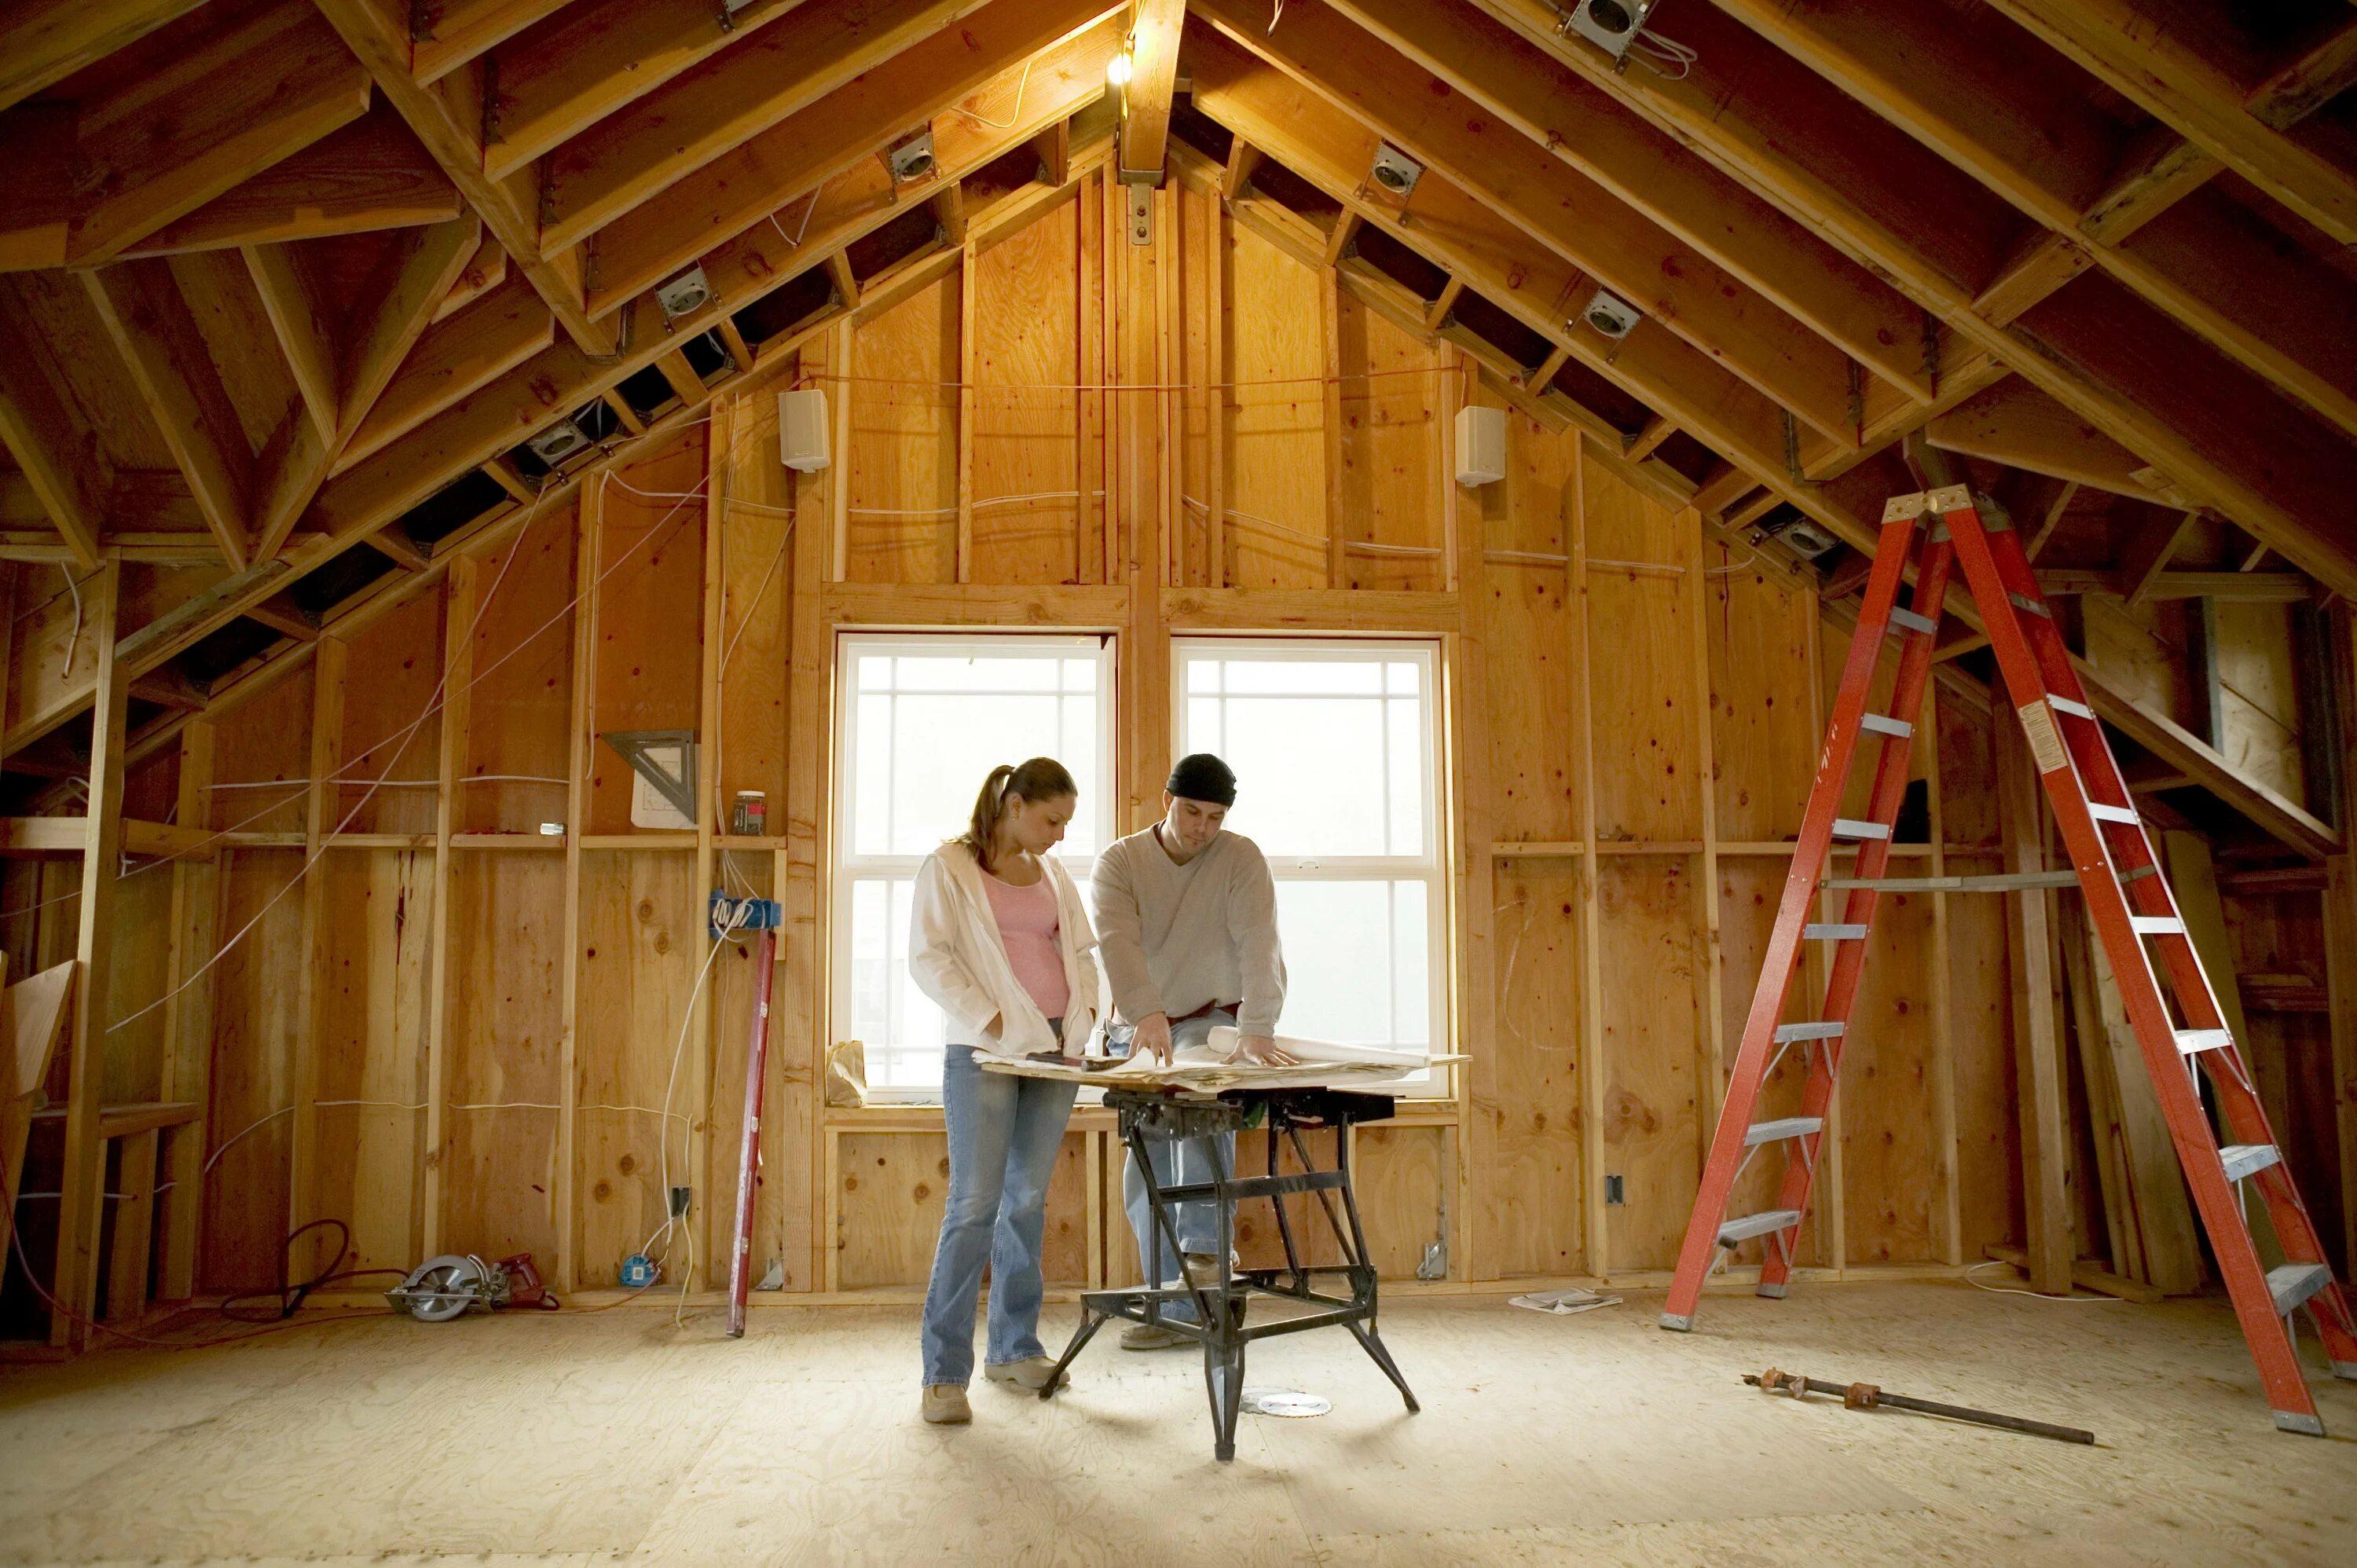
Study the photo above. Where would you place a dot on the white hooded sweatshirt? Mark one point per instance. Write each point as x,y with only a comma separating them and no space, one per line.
958,960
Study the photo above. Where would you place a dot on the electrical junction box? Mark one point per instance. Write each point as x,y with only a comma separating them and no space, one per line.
802,430
1480,445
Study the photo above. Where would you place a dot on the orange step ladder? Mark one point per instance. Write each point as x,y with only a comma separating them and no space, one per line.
2128,904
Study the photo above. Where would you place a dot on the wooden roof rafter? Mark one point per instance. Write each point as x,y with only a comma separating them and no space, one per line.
2221,434
558,378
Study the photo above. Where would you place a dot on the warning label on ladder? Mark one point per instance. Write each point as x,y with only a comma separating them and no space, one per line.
2045,743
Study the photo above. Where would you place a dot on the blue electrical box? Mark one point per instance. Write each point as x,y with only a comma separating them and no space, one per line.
639,1272
729,917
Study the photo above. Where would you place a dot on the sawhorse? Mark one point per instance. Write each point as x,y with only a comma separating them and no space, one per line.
1219,1322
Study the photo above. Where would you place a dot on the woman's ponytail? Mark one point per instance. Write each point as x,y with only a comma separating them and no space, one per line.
1040,779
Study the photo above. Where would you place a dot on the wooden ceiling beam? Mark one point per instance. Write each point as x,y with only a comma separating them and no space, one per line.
1999,106
973,73
627,159
397,308
454,358
595,58
457,31
1153,72
447,117
484,272
2015,423
2307,81
2176,75
1555,203
56,451
1767,119
2157,169
371,174
305,325
44,41
1465,235
152,327
741,271
1528,89
202,123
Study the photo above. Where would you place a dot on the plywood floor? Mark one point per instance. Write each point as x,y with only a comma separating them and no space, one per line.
1594,1439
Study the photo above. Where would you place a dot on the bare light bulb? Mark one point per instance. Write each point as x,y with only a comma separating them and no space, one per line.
1117,69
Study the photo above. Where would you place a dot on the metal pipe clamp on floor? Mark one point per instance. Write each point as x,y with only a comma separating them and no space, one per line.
1866,1396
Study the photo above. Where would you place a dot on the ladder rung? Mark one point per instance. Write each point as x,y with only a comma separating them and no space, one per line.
1833,931
2065,705
1750,1225
2023,602
1782,1127
1910,621
1999,882
2289,1283
2193,1042
1787,1033
2105,814
2247,1159
1883,723
1852,828
2139,873
2156,925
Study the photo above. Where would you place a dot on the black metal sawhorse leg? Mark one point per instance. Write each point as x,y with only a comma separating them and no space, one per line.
1220,1323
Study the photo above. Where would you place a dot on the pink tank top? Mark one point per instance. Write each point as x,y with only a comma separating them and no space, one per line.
1027,928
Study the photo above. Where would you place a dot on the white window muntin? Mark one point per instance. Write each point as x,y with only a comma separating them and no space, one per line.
1202,677
882,836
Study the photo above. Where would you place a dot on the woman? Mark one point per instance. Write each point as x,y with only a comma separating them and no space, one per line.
999,939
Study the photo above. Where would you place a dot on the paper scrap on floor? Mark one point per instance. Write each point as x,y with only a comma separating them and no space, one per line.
1563,1303
1208,1068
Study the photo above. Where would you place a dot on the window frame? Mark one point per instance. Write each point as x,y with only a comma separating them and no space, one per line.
847,867
1431,866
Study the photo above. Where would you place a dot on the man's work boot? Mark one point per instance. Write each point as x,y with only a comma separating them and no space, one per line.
1152,1337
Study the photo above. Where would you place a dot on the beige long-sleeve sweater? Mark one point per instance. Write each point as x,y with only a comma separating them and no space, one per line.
1176,937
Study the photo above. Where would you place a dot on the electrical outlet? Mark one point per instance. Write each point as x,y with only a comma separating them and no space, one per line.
1613,1195
678,1197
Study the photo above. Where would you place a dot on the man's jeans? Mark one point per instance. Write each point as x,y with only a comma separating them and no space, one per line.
1176,1164
1004,1135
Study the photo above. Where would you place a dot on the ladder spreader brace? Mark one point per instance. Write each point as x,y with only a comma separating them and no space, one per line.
2128,904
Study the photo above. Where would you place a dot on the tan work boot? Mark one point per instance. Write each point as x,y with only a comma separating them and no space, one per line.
1203,1271
944,1405
1151,1337
1032,1374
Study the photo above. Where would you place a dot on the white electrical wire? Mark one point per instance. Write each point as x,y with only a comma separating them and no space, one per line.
2041,1295
663,1232
1661,54
400,739
1022,85
74,643
796,240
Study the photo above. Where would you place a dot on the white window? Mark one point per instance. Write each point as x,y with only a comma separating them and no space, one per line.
923,719
1334,745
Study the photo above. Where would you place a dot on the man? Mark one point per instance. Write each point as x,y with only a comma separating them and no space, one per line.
1186,919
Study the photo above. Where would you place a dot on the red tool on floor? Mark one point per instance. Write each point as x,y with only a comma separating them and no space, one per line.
2128,904
730,917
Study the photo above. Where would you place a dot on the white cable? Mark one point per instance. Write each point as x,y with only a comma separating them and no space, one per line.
678,1050
74,643
796,240
1022,85
2009,1290
1660,54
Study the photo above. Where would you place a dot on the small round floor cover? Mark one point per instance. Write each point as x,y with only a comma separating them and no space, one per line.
1282,1402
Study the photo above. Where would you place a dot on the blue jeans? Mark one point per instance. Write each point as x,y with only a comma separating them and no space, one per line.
1004,1135
1178,1162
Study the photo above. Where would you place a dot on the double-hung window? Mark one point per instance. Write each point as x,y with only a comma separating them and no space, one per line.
1335,748
923,719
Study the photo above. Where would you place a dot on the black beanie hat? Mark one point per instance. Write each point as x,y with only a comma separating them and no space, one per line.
1203,777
